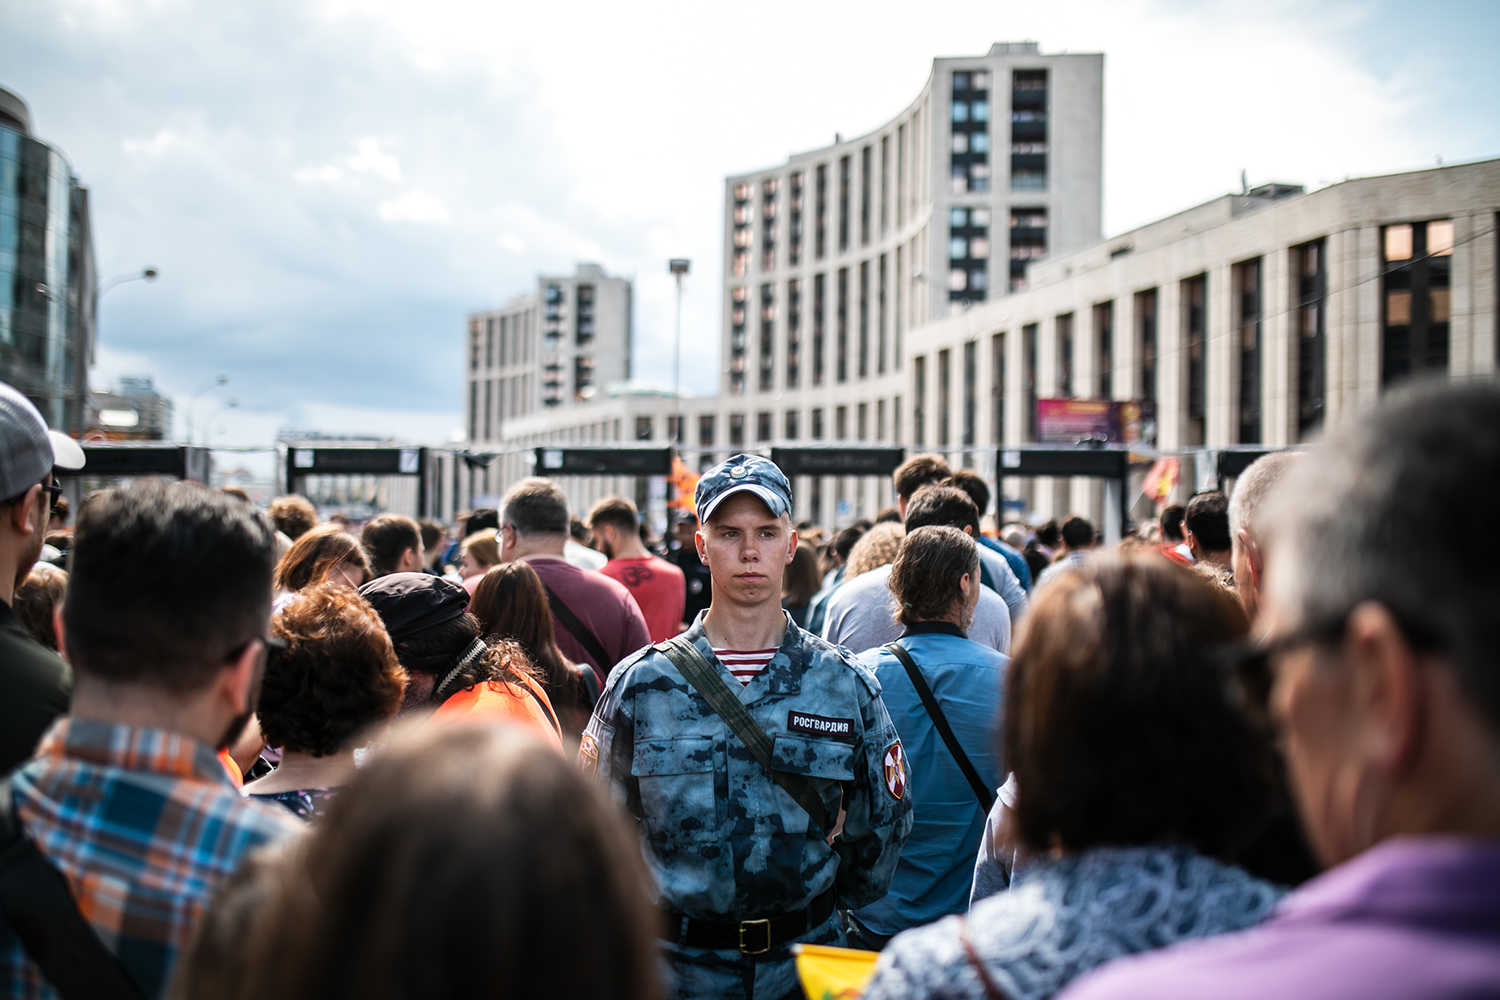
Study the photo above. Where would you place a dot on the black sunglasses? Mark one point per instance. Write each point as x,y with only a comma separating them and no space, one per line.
54,492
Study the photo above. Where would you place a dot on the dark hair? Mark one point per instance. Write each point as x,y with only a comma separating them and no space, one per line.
294,516
469,860
511,603
480,519
1077,533
438,650
1171,522
36,597
617,512
1119,724
1398,507
386,538
337,676
62,509
888,515
578,531
316,554
1049,535
973,484
1207,518
917,471
844,540
537,507
925,576
801,580
236,492
945,505
166,582
432,533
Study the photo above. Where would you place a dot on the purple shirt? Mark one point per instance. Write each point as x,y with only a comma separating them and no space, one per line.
1413,917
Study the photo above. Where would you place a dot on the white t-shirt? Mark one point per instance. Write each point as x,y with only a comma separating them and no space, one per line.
862,615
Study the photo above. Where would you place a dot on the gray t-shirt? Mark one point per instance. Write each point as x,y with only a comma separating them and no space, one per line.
861,615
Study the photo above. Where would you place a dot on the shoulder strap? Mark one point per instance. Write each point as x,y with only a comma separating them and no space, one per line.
935,712
585,635
40,909
706,680
542,704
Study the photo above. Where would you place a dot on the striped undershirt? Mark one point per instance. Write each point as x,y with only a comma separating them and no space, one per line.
745,664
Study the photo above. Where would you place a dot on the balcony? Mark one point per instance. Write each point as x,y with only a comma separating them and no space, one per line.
1030,98
1028,163
1028,130
1028,235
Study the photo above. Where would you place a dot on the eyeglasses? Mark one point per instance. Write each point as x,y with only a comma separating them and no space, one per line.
54,492
1252,659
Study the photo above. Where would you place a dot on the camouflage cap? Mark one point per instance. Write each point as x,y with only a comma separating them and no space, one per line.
743,473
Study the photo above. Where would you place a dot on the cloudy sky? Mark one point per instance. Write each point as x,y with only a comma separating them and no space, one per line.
328,186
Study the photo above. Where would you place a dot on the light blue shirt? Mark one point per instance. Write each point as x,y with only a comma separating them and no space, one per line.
936,870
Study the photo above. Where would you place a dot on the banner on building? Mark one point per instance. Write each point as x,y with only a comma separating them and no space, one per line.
1131,423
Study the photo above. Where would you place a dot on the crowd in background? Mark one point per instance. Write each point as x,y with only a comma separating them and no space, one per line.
273,753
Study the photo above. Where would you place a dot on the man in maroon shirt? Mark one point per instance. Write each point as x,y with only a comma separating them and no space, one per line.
656,584
596,620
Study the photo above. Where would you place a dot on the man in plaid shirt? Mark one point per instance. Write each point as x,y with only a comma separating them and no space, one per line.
165,624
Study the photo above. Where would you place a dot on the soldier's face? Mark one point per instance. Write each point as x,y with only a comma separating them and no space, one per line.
746,550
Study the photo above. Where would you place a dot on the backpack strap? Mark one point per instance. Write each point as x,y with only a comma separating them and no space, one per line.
41,910
935,712
603,662
701,674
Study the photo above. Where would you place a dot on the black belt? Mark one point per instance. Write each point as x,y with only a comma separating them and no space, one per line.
748,937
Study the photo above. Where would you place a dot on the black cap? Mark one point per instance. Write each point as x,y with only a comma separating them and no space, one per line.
410,603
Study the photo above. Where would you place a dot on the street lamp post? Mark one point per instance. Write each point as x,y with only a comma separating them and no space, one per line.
85,351
222,379
679,266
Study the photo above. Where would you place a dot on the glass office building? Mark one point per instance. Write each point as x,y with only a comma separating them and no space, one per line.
47,282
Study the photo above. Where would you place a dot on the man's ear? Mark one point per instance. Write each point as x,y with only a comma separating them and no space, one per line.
1255,559
699,544
1389,687
791,549
21,514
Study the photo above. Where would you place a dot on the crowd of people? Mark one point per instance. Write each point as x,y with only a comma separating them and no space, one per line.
1251,748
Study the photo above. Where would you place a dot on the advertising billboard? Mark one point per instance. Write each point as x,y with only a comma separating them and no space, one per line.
1068,421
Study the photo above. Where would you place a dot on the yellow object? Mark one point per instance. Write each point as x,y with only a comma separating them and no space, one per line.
833,973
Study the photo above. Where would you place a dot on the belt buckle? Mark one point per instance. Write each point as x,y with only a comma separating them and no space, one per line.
765,928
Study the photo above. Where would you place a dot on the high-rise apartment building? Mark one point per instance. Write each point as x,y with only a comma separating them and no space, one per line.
47,283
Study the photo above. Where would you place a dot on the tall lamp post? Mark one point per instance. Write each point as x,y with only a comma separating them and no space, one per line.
679,266
86,351
222,379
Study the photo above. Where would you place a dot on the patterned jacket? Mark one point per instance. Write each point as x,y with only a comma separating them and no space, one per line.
722,839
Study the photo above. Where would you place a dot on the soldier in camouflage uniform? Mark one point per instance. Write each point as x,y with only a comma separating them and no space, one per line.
744,871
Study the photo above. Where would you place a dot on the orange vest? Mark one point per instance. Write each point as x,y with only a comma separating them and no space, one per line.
519,702
231,768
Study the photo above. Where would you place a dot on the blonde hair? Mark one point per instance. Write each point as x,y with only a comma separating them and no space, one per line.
876,548
484,546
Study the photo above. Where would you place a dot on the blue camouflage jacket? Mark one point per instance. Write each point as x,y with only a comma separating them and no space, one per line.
721,838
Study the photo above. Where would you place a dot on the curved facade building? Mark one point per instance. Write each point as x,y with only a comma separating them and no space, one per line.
47,283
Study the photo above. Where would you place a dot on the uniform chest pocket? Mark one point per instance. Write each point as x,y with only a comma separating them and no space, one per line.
678,789
816,758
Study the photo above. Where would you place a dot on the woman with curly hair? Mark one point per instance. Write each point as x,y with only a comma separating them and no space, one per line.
335,685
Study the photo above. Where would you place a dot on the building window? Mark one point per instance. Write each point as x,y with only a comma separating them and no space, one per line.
473,411
919,401
791,425
793,333
767,337
880,319
739,309
815,499
762,427
583,319
706,430
476,346
674,431
1195,336
944,396
1312,289
1028,377
1028,130
845,179
489,343
864,319
583,377
896,420
968,254
820,211
794,221
997,388
840,423
971,394
1145,341
1064,329
1028,241
865,191
841,328
743,230
820,313
969,157
643,428
1245,280
862,422
1104,350
885,185
817,423
736,430
768,224
880,420
1415,307
900,175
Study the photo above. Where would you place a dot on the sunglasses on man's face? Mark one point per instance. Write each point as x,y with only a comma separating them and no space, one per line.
54,492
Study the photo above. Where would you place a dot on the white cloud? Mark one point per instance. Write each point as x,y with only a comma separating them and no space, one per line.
414,206
154,146
511,242
367,159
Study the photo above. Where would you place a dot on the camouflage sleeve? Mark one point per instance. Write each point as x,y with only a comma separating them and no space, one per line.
878,810
608,744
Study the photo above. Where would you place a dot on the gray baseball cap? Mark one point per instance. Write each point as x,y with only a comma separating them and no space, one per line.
28,450
743,473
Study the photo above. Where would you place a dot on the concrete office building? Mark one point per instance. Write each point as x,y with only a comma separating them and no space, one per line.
48,288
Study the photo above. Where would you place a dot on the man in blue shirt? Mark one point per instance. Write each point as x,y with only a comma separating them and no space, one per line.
935,583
